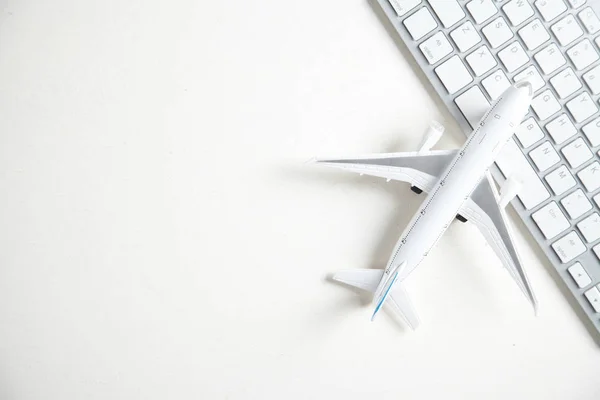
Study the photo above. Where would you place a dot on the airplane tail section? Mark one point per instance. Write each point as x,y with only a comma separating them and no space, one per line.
395,296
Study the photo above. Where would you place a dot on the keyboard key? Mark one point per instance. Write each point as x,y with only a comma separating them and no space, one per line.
577,153
473,105
529,132
544,156
590,176
579,275
513,57
576,3
534,34
561,129
550,220
568,247
517,11
590,228
481,61
560,180
592,79
593,296
589,19
550,59
497,32
465,36
565,83
420,23
545,104
512,161
533,76
567,30
495,84
453,74
435,48
403,6
583,54
448,11
576,204
592,132
582,107
550,9
481,10
596,249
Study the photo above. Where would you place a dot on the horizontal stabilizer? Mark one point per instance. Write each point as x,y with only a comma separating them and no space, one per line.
365,279
400,303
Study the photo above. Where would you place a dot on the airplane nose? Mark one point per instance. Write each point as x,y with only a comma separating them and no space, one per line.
525,85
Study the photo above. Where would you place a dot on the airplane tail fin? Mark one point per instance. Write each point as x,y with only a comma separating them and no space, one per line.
368,279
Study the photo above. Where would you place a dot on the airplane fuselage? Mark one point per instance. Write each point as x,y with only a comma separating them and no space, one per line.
454,187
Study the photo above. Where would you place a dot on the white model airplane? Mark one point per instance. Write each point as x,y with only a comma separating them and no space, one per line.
458,185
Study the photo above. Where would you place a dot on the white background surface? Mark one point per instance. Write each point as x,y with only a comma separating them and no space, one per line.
161,236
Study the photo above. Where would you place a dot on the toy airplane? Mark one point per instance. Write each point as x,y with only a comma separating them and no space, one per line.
458,185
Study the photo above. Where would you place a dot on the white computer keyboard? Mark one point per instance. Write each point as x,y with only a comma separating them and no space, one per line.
471,51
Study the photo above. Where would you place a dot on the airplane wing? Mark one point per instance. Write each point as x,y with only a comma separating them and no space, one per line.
483,210
420,169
